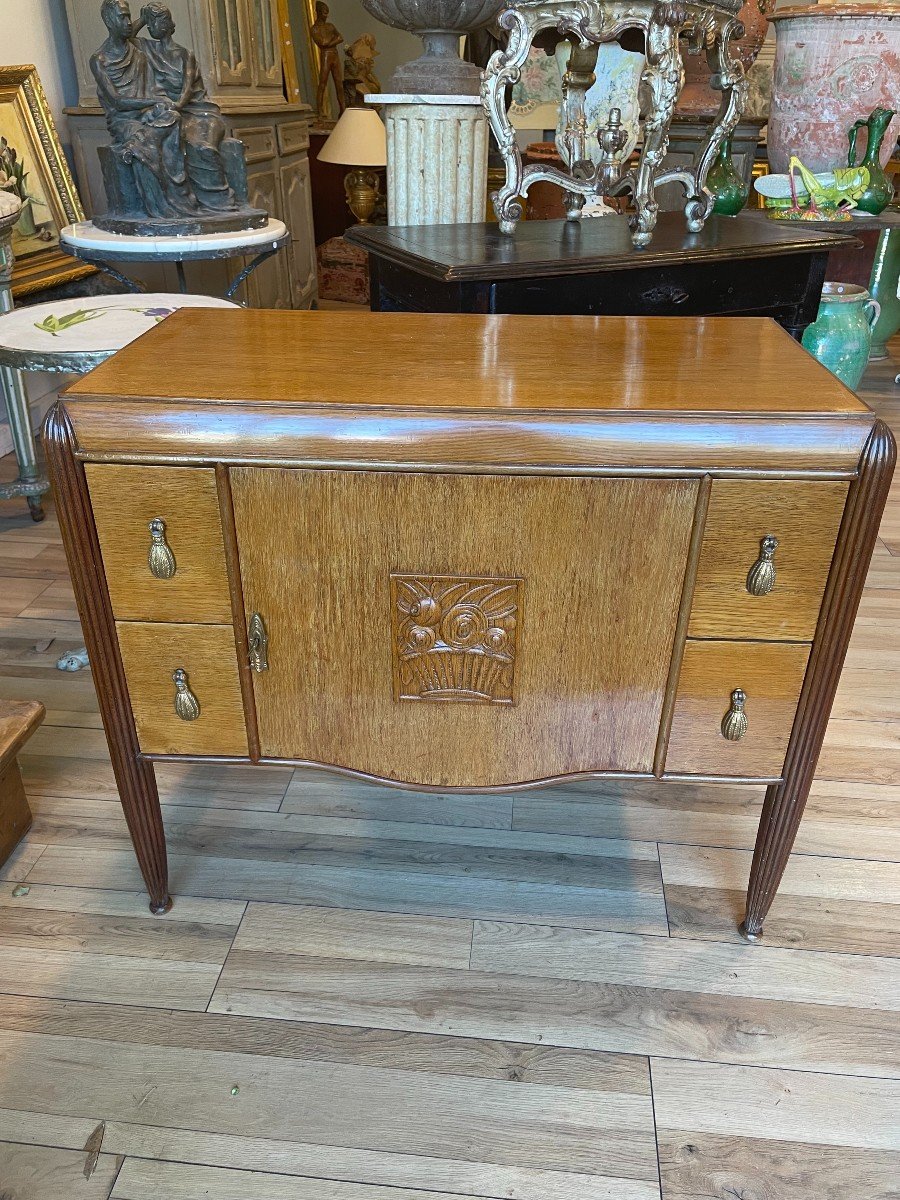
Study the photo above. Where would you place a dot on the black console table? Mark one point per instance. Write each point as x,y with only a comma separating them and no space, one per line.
737,266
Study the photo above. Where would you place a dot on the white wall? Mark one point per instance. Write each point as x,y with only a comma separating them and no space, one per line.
395,46
36,31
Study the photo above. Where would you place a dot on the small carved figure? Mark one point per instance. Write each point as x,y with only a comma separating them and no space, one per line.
176,74
170,169
360,79
327,38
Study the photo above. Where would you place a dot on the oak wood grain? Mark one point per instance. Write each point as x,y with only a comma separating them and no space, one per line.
770,674
594,635
151,652
497,362
805,518
48,1173
705,1166
475,1119
339,1163
124,501
600,442
624,1018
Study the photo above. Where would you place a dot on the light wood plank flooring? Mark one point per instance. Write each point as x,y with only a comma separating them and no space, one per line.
373,995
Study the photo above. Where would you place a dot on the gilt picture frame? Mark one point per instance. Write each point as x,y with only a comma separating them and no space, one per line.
33,166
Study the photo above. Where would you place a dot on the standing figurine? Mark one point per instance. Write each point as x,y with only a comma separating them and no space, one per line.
327,38
360,79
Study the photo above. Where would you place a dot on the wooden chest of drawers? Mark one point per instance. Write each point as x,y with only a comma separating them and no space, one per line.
469,553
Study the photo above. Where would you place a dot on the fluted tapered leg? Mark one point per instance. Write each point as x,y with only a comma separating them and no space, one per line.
134,778
785,802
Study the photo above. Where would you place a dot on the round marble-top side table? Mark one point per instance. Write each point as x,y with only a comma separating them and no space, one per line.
85,241
73,336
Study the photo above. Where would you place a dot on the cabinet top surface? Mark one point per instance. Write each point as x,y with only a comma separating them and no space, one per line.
455,252
503,364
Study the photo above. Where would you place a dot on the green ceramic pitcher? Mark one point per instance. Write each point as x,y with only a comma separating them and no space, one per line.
884,286
841,336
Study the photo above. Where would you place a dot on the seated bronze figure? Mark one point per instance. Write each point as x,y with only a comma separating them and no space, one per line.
170,168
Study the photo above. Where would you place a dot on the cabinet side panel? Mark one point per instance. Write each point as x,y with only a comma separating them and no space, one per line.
458,630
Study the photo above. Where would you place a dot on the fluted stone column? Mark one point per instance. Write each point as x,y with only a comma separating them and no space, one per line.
437,152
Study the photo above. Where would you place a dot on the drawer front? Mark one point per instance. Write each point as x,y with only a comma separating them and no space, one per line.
152,653
125,500
259,142
770,676
805,518
293,136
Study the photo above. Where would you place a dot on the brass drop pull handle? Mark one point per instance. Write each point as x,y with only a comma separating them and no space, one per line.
160,559
186,703
761,578
258,644
734,723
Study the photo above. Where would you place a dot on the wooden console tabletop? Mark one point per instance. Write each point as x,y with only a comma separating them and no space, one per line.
468,553
741,266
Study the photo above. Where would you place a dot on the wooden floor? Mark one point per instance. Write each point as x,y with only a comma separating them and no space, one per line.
372,995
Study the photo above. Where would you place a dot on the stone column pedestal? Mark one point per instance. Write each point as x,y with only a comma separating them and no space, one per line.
437,154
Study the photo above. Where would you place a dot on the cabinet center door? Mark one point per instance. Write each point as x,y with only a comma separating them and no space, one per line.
462,630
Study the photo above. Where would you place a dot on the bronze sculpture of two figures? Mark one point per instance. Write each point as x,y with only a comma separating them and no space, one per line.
170,169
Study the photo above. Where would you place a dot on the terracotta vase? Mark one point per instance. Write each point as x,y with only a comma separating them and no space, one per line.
698,98
834,64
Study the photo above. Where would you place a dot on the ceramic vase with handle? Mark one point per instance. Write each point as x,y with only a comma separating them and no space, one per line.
884,286
841,335
834,62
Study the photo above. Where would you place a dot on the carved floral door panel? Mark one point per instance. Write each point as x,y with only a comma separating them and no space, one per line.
457,629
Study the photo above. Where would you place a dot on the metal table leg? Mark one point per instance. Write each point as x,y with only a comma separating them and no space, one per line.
248,269
30,483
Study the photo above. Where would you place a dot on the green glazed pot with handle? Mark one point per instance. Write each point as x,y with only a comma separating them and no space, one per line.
884,286
841,336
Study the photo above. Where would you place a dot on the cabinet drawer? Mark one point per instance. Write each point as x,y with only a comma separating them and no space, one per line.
770,675
151,654
259,142
125,500
805,518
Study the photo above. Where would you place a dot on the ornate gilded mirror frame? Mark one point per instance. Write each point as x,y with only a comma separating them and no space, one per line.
25,118
709,25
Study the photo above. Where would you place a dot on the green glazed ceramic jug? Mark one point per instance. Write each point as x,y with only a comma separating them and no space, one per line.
884,286
841,336
880,191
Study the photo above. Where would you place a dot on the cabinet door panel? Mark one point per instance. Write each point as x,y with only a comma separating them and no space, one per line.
268,286
770,675
456,631
805,518
297,194
231,42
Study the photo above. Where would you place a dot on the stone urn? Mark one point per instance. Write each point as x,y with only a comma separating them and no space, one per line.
834,64
698,98
440,24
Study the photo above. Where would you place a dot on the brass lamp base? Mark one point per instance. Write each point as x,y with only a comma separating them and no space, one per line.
362,191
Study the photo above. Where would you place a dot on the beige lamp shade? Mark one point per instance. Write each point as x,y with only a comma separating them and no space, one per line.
358,140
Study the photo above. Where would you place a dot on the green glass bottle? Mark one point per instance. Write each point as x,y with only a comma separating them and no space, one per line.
880,191
730,192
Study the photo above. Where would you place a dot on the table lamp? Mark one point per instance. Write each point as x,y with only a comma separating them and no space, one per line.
358,140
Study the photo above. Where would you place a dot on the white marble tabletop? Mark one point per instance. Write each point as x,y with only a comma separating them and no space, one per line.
85,235
92,324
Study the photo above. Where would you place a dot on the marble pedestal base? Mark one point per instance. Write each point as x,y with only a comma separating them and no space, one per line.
437,153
